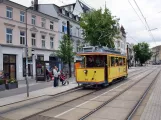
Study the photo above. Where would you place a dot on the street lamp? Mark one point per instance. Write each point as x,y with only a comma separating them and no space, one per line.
26,50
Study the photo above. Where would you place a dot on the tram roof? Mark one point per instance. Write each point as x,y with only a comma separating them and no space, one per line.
94,50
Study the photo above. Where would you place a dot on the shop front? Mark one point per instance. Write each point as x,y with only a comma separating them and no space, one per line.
9,66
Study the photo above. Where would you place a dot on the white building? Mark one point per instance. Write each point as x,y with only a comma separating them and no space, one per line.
71,13
120,43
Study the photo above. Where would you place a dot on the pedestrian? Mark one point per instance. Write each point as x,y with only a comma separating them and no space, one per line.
56,75
47,75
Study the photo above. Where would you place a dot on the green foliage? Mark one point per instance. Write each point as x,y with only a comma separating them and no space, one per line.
12,80
65,50
100,28
142,52
1,82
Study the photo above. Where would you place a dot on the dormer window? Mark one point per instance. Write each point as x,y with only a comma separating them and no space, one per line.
63,11
77,19
70,15
69,8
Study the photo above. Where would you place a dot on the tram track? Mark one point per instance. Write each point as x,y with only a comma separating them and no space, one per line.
130,115
64,93
33,116
71,90
133,111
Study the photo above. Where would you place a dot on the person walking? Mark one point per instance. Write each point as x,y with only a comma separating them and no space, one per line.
47,75
56,75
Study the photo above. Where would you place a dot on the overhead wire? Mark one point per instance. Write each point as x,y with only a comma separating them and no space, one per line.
150,33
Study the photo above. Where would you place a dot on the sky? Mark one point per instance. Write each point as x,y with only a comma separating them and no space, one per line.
135,28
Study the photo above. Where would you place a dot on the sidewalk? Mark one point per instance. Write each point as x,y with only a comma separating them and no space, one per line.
152,109
38,93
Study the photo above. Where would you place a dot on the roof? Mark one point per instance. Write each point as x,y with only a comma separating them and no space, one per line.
68,5
59,9
94,50
28,8
84,7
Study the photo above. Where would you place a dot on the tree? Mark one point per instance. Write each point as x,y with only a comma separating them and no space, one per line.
65,52
142,52
100,28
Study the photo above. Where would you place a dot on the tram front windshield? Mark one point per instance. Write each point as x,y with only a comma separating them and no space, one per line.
96,61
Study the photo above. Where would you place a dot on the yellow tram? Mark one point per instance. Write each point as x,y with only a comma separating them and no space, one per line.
100,65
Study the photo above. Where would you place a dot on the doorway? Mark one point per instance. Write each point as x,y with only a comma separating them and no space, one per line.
9,66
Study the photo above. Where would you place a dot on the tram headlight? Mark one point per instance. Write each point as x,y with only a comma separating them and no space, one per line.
85,71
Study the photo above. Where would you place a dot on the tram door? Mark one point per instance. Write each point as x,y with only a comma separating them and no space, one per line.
106,68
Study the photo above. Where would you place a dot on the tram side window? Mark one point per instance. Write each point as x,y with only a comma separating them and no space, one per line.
120,61
124,62
117,61
112,61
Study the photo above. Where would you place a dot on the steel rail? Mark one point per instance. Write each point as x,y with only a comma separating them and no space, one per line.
28,117
105,103
133,111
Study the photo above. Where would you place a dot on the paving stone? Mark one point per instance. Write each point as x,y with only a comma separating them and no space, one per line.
102,98
40,117
80,93
91,105
56,111
112,113
20,113
75,103
136,118
112,93
88,97
74,114
140,110
153,108
122,104
97,118
64,98
46,105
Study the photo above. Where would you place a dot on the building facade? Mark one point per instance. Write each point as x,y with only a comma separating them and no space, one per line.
68,13
131,54
156,57
42,38
120,43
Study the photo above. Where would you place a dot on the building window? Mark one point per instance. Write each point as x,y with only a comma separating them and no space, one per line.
70,30
33,20
22,38
43,22
51,42
33,39
22,16
43,41
51,25
63,28
77,34
9,12
9,35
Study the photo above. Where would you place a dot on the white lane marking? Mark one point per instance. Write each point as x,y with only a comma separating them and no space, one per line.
92,99
89,100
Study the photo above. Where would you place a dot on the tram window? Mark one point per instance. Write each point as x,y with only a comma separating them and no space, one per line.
117,61
90,61
120,61
112,61
83,62
124,62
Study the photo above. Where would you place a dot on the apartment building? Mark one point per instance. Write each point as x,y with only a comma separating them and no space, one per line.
120,43
41,34
68,13
156,57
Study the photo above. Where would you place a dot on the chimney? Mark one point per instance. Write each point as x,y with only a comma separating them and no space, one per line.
36,5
